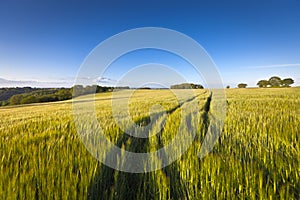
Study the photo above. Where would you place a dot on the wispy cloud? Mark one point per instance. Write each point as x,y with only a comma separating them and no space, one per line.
274,66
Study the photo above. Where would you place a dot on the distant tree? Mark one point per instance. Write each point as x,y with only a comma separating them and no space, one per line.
287,82
227,86
275,81
263,83
242,85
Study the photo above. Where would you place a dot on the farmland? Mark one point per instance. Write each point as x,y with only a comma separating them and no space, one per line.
256,157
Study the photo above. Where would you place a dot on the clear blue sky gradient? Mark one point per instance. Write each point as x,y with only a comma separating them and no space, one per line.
248,40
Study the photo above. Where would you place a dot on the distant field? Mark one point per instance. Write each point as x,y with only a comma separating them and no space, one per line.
256,157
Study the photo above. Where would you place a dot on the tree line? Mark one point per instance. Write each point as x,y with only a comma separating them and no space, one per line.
26,95
39,96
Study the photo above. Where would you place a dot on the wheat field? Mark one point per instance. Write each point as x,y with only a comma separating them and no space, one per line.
256,157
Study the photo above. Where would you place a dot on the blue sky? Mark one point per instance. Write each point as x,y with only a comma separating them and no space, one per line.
45,42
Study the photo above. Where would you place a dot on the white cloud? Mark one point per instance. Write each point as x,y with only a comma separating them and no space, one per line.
104,80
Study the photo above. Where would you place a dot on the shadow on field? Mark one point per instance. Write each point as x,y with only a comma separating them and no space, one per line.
109,183
165,183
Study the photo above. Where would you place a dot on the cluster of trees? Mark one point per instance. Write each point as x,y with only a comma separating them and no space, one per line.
275,81
187,86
